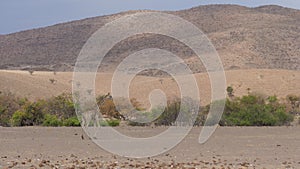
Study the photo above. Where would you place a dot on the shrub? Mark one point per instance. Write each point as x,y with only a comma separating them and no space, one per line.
62,106
31,72
169,116
229,90
51,120
34,113
19,118
72,121
252,110
112,123
180,112
9,104
201,118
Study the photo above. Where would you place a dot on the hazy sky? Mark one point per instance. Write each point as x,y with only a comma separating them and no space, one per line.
17,15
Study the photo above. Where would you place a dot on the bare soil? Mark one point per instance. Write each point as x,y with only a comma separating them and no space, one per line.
262,81
229,147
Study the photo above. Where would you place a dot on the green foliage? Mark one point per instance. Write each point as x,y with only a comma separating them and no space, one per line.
31,114
19,118
51,120
179,112
229,91
249,110
112,123
252,110
72,121
9,104
34,112
62,106
272,99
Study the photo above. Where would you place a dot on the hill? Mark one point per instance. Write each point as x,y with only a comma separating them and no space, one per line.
265,37
38,85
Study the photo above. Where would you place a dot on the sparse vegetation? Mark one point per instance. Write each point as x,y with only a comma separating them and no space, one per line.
72,121
52,81
9,104
294,102
249,110
161,81
51,120
112,123
229,91
31,72
253,110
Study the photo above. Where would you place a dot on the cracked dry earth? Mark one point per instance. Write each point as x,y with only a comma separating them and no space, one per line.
228,148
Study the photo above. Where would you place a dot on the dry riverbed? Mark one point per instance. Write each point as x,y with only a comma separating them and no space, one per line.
229,147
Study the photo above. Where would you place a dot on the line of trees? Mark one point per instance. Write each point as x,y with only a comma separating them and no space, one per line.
248,110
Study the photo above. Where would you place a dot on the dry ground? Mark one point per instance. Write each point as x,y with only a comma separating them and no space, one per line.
229,147
38,85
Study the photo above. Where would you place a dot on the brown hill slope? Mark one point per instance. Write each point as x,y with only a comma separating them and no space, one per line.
263,37
262,81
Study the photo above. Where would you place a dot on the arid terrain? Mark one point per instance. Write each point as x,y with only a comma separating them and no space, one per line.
229,147
260,81
259,48
265,37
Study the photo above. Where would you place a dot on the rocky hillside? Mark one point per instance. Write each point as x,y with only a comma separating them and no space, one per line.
246,38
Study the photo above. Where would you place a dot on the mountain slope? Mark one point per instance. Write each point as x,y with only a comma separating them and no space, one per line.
246,38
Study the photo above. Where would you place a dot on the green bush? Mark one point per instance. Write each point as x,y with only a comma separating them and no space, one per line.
19,118
252,110
178,112
35,113
249,110
112,123
72,121
30,115
51,120
9,104
62,106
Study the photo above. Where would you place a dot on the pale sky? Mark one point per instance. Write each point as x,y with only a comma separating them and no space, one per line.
17,15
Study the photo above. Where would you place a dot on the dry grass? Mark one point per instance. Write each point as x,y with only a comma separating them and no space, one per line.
38,85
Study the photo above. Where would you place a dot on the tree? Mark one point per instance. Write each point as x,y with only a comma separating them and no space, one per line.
62,106
9,104
230,91
31,71
254,110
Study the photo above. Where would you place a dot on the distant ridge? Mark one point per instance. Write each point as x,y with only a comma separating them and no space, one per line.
265,37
